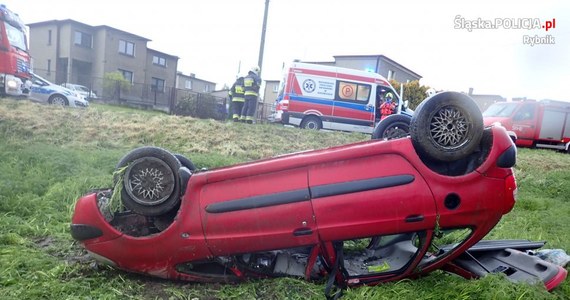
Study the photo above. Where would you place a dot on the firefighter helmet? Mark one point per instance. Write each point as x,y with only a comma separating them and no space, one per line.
255,70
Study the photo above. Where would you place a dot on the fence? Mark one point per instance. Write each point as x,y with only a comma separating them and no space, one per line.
169,99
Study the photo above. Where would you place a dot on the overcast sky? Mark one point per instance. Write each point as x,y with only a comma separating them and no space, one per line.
212,37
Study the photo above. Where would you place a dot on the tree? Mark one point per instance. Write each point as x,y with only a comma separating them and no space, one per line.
413,92
114,83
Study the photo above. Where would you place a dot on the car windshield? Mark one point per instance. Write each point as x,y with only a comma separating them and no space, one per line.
40,81
500,110
82,88
16,37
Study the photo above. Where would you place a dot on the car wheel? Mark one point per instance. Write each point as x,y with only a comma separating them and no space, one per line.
312,123
392,127
58,100
186,162
151,183
447,126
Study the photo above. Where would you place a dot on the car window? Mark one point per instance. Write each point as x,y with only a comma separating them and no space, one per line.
444,242
525,113
388,254
39,81
500,110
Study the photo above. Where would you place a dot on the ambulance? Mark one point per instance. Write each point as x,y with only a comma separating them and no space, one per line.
314,96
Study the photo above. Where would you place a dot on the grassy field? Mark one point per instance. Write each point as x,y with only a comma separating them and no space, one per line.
50,156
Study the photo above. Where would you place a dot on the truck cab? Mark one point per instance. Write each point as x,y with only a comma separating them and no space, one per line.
543,124
14,57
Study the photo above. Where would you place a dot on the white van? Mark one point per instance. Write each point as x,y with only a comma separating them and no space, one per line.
324,97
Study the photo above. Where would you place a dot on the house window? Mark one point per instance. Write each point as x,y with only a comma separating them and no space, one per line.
128,75
82,39
126,48
157,60
188,84
206,88
275,88
49,37
157,85
49,67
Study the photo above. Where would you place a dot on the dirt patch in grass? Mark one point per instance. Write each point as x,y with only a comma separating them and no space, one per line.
71,254
44,242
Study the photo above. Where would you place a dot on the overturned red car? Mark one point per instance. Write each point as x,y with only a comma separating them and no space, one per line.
362,213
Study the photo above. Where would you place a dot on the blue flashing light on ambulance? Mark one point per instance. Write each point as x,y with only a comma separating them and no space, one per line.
313,96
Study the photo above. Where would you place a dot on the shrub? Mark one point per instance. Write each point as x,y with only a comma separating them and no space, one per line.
114,83
200,106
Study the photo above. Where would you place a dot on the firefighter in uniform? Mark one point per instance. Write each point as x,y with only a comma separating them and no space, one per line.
251,84
236,96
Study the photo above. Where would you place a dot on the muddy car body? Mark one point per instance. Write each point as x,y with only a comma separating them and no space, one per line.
362,213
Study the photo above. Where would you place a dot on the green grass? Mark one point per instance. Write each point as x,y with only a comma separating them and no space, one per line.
50,156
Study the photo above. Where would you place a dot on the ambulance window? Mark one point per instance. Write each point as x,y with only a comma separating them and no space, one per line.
363,93
349,91
382,91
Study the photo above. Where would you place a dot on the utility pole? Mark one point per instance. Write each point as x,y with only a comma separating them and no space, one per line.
262,44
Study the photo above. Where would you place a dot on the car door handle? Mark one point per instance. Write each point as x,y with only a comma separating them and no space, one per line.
302,231
414,218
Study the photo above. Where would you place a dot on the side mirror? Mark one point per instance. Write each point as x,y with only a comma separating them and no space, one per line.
406,103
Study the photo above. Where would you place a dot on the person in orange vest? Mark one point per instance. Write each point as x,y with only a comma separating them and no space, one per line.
387,108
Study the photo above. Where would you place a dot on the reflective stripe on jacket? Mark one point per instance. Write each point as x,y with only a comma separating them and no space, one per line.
251,84
237,91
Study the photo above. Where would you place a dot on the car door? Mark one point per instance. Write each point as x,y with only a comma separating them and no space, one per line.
524,121
379,209
39,91
368,196
256,212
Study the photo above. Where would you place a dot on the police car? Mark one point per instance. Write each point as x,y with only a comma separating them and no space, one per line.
47,92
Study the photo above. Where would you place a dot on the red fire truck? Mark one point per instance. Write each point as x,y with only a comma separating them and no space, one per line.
544,124
14,54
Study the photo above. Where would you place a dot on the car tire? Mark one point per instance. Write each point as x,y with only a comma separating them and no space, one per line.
151,182
446,127
312,123
392,127
186,162
58,100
